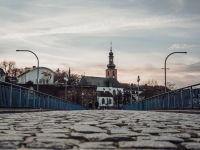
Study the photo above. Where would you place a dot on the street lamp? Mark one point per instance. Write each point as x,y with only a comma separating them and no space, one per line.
131,92
122,99
82,98
138,80
38,65
66,79
165,65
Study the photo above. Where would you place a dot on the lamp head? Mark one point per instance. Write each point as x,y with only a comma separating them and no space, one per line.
65,78
17,50
138,79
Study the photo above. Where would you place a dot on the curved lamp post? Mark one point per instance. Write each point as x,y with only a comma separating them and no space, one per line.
38,64
131,92
165,65
82,98
138,80
66,79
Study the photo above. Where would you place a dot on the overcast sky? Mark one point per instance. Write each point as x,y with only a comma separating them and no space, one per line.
77,34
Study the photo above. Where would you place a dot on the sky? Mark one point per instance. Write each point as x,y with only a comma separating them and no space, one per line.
77,34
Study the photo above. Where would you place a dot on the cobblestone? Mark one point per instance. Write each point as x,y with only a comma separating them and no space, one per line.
103,129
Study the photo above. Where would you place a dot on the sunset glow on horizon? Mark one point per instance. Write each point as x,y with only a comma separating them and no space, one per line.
76,34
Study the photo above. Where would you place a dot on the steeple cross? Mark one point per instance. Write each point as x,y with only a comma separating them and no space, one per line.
111,46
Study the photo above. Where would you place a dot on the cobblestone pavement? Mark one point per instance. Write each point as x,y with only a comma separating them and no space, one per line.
103,129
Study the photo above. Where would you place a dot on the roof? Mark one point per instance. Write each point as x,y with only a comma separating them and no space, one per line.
2,71
33,70
100,82
104,94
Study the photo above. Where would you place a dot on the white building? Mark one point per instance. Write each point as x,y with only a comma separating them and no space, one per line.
2,75
106,87
46,76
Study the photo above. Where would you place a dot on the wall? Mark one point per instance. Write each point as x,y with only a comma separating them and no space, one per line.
2,78
90,93
111,89
32,76
111,73
100,101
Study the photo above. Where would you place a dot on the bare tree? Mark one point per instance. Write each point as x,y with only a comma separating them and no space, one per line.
15,72
11,66
170,86
4,65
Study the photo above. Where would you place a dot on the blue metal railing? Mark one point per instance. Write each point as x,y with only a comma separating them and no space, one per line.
12,95
183,98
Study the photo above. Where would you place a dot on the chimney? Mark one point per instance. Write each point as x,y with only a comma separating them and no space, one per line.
34,67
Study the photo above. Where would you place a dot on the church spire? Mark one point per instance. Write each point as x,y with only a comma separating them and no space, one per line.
111,64
111,46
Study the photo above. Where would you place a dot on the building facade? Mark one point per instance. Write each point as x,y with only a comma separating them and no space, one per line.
106,87
2,75
46,76
111,72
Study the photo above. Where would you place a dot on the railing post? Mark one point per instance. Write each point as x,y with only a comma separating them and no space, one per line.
38,100
33,99
155,102
159,101
168,101
10,96
191,97
27,98
164,102
48,103
182,100
174,100
20,95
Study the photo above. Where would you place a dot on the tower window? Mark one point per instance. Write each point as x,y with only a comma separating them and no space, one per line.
108,73
113,73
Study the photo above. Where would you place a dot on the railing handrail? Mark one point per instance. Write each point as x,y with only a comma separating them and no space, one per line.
38,92
167,93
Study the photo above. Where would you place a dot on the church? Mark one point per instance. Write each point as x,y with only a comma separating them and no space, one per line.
106,87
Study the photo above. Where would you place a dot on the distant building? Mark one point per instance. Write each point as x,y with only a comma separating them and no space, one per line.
106,87
11,79
46,76
2,75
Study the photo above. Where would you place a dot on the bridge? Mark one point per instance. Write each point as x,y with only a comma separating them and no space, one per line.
12,95
183,98
98,129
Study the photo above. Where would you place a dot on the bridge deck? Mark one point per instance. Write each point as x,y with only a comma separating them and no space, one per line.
103,129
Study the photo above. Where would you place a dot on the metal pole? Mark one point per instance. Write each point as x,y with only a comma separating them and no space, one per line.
138,91
131,94
82,99
38,65
165,65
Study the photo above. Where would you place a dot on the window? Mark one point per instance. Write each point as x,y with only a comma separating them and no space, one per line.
110,101
114,92
103,101
108,73
113,73
107,100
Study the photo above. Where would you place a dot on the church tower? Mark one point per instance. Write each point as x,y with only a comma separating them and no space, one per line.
111,72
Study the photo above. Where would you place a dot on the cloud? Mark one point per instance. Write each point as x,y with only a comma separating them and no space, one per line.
177,46
28,30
